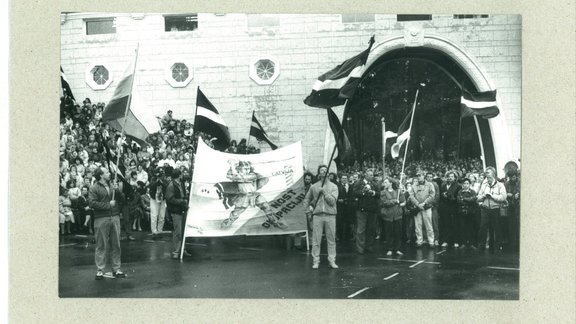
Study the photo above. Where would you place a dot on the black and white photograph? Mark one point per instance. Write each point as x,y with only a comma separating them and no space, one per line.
290,156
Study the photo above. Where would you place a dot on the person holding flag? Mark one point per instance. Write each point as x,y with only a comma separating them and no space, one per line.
104,197
320,204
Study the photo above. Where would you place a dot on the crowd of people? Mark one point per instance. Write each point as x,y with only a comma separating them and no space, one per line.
452,204
438,203
83,142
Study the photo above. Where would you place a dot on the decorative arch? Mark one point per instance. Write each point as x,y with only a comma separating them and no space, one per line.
498,136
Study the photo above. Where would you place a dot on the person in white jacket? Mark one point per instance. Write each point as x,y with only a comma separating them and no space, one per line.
491,197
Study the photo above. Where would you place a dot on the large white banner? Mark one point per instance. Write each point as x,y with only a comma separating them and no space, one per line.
254,194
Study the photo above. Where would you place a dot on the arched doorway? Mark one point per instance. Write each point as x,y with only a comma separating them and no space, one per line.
454,63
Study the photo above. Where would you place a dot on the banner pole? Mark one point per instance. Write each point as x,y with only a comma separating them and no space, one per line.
408,140
481,144
307,242
383,148
125,118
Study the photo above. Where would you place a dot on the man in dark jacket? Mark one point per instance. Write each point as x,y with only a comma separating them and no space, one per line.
344,219
368,192
104,199
177,206
449,233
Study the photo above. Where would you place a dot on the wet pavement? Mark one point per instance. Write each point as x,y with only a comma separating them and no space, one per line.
265,267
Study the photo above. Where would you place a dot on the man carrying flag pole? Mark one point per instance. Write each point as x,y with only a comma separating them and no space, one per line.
334,88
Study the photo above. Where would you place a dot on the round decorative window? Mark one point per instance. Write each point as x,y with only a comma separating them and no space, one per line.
100,74
264,70
180,72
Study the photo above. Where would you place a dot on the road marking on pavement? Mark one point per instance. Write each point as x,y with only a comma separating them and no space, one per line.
251,249
391,276
197,244
69,244
358,292
504,268
417,263
405,260
441,252
398,260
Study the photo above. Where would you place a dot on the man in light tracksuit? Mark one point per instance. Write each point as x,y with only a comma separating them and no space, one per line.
320,204
422,195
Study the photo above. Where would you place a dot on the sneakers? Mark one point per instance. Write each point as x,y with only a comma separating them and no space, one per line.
436,243
333,265
99,275
444,244
456,245
315,266
119,274
389,253
399,253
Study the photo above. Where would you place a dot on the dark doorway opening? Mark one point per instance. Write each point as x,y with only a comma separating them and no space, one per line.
387,91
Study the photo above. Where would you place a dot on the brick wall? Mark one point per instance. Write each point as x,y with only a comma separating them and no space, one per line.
220,51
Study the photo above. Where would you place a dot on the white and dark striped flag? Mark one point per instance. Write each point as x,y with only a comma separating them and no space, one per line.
335,86
481,104
209,121
403,135
66,91
257,131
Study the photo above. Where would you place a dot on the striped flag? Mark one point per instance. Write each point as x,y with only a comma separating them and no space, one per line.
481,104
335,86
65,85
139,122
404,133
257,131
344,148
209,121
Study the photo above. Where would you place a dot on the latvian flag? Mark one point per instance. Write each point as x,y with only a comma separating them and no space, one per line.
335,86
139,122
209,121
479,104
257,131
345,151
404,134
66,91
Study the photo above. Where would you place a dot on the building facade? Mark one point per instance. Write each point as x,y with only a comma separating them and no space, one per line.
268,64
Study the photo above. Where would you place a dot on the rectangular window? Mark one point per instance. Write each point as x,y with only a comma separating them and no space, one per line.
101,26
356,18
469,16
185,22
262,20
413,17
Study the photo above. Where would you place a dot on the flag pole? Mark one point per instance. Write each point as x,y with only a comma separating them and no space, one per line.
480,140
408,139
459,136
126,117
383,147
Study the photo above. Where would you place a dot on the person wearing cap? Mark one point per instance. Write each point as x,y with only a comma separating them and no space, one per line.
320,204
177,206
491,197
103,199
422,195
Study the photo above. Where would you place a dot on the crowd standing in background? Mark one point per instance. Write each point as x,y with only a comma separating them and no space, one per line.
452,203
